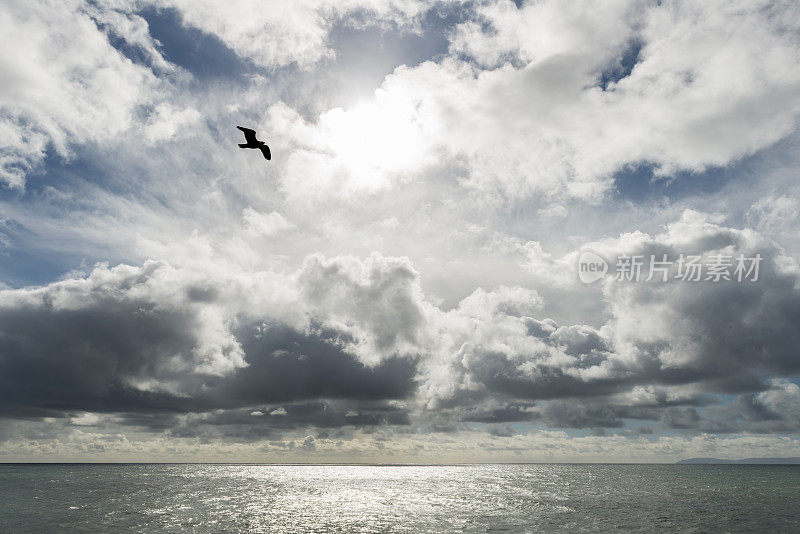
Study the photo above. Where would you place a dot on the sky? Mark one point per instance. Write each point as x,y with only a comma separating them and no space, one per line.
403,281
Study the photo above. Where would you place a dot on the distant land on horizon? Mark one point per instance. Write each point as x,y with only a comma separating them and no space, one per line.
773,461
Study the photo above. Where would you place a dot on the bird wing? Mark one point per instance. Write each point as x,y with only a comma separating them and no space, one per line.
249,135
265,150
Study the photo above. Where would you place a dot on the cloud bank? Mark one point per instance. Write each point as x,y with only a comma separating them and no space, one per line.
400,279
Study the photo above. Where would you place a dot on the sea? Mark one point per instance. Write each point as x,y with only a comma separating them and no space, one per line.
398,498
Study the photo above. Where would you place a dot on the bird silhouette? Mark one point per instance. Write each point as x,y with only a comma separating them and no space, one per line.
252,142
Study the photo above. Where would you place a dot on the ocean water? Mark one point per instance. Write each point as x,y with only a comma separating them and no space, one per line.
418,499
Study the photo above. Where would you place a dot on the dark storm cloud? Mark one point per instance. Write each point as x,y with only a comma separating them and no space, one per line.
55,360
87,360
776,410
667,353
170,349
505,413
575,415
502,376
504,431
111,344
253,424
286,365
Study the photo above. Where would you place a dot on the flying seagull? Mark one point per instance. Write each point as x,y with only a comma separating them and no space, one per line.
252,142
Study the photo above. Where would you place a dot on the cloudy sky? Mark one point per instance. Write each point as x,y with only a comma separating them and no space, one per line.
401,282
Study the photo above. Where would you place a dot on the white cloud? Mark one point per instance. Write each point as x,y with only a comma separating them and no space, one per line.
701,94
258,223
774,213
165,122
539,31
63,83
378,300
274,33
